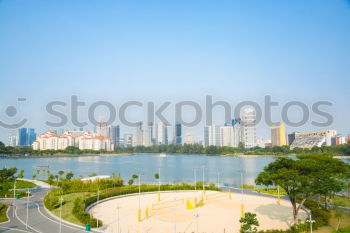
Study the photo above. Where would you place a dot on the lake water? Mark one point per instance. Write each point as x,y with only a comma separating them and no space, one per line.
173,167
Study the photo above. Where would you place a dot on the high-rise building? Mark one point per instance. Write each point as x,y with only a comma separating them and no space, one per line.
31,136
138,137
249,128
114,134
212,135
148,135
348,139
12,140
101,128
161,133
189,138
22,137
227,136
26,137
178,134
291,138
278,135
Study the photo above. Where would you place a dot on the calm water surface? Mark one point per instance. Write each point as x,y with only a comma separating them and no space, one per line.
173,167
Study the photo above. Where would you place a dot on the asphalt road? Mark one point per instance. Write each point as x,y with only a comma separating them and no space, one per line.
39,221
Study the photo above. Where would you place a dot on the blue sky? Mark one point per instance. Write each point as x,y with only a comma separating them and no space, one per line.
172,51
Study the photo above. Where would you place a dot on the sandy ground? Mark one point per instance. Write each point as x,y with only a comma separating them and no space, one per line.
219,213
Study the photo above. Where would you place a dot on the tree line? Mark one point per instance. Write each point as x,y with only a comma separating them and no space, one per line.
188,149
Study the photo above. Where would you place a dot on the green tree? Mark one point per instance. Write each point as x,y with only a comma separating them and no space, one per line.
60,173
69,175
21,174
135,177
156,176
249,223
130,182
7,174
50,180
34,176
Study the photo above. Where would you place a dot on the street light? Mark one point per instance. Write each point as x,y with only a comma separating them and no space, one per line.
27,209
310,221
61,200
98,199
158,183
14,197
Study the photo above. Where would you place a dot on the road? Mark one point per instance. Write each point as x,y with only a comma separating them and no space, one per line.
39,220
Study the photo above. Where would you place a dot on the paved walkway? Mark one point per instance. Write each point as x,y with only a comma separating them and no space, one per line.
39,220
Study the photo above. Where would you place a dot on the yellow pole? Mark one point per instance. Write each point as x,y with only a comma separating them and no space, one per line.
147,213
139,215
158,196
195,202
242,210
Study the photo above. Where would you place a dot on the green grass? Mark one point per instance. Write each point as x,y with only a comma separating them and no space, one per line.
21,184
270,191
333,223
3,210
68,207
341,201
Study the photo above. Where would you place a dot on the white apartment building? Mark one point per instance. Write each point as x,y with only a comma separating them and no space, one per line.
81,139
161,133
212,135
227,136
249,128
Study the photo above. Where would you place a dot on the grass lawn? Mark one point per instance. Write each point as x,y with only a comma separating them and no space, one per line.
68,206
333,223
21,184
341,201
3,210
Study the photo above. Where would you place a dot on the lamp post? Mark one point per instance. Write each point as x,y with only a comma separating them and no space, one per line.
195,179
14,197
27,209
310,221
61,200
98,200
218,179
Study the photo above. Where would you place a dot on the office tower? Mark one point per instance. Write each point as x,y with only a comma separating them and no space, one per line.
227,136
249,128
101,128
31,136
189,138
278,135
291,138
161,133
138,137
22,137
178,134
212,135
26,137
114,134
148,134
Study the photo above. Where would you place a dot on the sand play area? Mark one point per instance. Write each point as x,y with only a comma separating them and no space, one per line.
219,212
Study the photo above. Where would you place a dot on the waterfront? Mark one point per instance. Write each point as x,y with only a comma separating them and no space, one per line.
173,167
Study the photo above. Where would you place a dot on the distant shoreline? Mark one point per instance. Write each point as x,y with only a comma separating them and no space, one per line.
65,155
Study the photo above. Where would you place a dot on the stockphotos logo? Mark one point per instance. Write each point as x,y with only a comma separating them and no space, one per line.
52,109
11,112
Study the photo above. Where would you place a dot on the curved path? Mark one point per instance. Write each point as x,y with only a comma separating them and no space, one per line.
39,220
